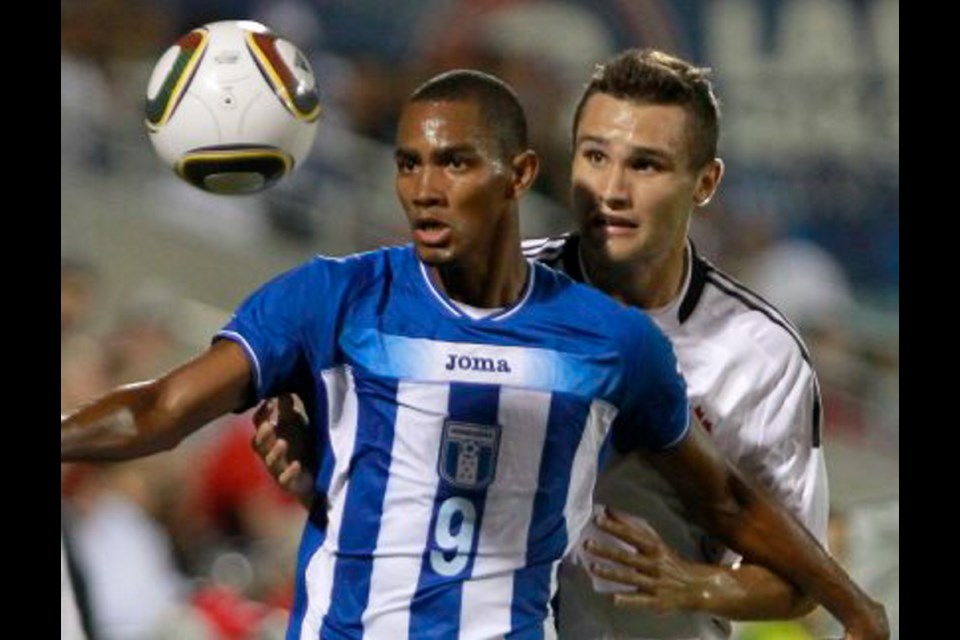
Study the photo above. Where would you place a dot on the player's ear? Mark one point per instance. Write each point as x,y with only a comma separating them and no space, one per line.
525,167
708,179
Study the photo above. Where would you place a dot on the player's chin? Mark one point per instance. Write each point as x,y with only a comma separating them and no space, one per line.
433,256
610,248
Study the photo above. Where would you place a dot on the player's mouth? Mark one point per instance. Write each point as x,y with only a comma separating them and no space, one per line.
611,225
431,232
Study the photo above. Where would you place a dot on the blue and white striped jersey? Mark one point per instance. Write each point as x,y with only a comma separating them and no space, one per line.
458,455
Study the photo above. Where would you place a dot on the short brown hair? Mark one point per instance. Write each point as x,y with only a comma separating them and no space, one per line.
652,76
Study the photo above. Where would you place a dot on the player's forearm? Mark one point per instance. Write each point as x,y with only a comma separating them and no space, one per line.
148,417
748,592
126,423
771,537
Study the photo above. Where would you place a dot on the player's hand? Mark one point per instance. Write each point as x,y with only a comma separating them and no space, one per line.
873,626
280,442
662,580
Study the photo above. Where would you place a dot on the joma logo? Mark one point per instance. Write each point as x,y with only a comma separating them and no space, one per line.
476,363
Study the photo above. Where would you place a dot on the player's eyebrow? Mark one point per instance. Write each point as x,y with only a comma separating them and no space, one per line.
651,153
635,151
592,139
405,154
446,152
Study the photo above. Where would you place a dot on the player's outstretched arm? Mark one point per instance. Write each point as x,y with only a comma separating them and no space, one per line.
666,582
735,509
147,417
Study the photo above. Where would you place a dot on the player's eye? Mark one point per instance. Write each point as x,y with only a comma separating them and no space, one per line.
406,164
594,156
457,162
644,164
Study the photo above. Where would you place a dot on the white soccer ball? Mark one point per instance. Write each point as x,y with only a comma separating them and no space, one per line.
232,107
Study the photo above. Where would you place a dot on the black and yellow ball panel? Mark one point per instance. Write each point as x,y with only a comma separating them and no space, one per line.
160,108
302,103
234,169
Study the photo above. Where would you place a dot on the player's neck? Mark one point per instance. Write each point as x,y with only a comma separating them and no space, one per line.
487,279
650,283
497,283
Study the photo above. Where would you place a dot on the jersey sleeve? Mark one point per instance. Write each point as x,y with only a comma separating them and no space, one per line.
786,456
278,325
655,414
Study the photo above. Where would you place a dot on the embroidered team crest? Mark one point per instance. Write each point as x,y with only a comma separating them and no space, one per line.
468,454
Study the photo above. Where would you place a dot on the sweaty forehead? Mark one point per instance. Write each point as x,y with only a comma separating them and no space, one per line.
443,124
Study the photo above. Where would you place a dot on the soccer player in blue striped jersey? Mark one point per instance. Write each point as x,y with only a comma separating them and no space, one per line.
462,398
463,394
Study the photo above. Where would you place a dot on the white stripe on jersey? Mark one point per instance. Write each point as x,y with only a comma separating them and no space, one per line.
583,474
502,545
404,526
545,250
342,417
539,247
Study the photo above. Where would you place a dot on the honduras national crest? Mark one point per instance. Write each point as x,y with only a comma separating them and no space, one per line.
468,454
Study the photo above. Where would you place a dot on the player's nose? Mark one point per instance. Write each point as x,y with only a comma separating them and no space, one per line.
614,192
428,191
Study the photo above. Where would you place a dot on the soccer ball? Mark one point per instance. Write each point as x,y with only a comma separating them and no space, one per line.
232,107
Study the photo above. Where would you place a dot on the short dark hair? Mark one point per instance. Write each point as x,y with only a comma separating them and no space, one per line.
499,106
655,77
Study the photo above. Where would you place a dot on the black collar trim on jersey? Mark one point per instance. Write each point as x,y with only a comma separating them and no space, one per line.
698,278
571,258
750,299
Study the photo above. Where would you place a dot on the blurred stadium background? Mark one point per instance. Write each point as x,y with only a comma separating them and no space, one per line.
195,544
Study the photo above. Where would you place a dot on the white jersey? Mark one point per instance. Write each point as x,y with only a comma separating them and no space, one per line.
751,385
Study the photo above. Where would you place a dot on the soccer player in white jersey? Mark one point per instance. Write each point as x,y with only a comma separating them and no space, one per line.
645,156
462,397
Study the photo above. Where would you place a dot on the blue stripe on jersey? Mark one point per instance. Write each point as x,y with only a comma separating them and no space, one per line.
530,632
364,504
547,537
420,359
457,512
323,450
312,539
